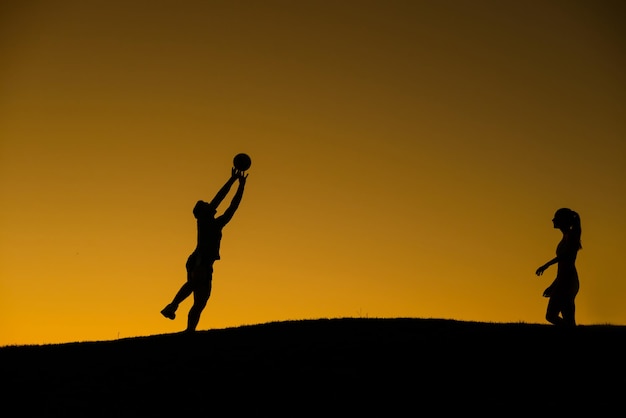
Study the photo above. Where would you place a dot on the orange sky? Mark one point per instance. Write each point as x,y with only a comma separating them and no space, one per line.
408,157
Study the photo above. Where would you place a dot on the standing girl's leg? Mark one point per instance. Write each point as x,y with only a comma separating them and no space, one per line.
568,307
554,309
569,312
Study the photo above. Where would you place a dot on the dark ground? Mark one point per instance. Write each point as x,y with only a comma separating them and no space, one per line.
349,367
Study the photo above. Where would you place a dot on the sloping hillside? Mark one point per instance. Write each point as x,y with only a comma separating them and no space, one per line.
333,367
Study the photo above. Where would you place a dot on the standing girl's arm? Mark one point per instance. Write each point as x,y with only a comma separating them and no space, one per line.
541,269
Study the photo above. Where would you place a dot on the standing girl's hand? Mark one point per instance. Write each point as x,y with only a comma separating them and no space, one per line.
540,270
548,292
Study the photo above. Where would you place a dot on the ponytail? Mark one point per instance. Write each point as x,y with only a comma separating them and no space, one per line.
571,219
576,227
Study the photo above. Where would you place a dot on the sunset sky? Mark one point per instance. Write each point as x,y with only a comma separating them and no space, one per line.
407,159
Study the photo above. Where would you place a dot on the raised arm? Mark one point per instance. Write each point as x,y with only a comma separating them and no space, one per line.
234,204
221,194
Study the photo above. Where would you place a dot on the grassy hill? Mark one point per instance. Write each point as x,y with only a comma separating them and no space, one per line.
349,367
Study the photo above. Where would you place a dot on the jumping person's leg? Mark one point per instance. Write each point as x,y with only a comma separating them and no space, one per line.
200,298
170,310
184,292
202,276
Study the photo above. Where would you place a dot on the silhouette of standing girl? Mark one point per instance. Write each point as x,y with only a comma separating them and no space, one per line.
563,290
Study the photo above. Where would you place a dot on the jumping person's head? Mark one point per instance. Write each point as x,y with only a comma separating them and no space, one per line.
567,221
203,209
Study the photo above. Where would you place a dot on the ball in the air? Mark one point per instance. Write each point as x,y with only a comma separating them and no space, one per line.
242,161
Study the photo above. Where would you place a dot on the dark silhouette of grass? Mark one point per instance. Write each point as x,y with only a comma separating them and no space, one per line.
349,367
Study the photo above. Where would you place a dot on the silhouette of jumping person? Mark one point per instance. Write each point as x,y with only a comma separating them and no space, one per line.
199,265
563,290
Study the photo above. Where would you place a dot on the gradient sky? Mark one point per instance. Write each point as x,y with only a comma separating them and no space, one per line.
407,159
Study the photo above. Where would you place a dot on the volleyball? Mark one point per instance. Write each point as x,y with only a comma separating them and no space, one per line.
242,161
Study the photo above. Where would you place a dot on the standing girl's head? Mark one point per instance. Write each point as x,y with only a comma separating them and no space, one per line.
568,221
